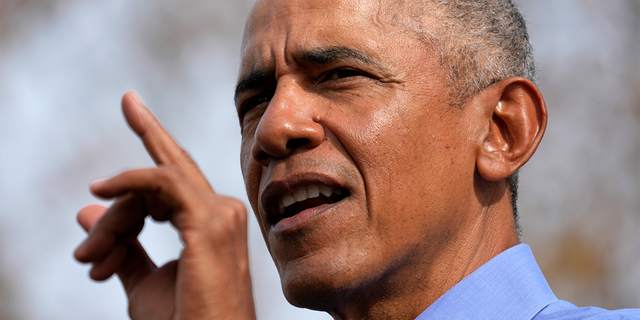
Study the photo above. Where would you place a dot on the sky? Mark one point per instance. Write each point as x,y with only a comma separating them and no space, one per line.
65,64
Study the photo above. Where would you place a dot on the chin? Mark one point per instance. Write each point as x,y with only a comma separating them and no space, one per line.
323,284
314,290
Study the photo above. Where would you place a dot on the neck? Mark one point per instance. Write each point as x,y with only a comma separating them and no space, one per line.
421,279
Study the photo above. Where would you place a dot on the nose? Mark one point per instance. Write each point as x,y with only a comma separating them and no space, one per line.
290,123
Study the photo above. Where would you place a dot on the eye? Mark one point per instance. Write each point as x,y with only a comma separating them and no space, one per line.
252,109
338,74
256,101
253,102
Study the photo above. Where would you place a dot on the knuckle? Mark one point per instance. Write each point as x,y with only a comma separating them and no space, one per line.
221,220
169,174
186,156
230,213
188,160
236,209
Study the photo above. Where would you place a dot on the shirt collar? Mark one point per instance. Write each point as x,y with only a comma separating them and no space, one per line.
509,286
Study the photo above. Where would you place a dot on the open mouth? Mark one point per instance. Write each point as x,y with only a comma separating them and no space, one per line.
302,198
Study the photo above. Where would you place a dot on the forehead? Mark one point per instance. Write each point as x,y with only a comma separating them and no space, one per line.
277,27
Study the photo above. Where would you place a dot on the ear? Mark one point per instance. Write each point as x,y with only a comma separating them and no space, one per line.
517,117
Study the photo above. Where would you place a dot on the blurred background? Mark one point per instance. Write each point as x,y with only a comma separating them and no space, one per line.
66,63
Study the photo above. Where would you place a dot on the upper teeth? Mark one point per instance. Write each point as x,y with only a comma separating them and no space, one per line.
305,192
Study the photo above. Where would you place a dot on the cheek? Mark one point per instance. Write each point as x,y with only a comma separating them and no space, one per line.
411,157
388,142
251,172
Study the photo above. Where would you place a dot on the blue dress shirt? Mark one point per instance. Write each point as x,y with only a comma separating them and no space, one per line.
511,286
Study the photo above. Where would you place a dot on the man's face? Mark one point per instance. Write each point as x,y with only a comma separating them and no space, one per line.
358,170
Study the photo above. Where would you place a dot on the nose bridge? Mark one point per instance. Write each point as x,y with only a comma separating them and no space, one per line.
288,92
291,121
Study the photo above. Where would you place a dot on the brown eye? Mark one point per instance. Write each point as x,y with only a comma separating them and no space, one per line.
342,73
256,101
253,102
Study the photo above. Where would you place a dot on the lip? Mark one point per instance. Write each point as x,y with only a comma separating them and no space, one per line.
276,188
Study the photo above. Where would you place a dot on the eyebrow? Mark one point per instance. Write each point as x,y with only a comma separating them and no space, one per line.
318,56
254,80
322,56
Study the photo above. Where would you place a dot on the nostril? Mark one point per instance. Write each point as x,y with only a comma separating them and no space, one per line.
296,143
263,154
262,157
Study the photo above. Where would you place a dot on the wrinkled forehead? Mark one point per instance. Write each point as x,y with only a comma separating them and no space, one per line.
288,25
267,14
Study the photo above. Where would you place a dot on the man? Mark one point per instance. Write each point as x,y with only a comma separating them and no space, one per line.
380,146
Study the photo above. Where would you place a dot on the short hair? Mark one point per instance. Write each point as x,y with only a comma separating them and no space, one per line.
479,43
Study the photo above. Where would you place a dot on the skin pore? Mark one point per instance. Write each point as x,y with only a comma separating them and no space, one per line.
426,199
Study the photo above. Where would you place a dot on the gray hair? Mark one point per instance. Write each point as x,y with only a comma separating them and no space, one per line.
479,43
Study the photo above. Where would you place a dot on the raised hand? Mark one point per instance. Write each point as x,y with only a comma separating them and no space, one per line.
210,279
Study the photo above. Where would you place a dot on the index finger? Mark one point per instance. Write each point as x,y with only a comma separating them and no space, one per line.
162,148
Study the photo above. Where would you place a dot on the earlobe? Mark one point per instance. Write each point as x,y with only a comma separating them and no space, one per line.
517,117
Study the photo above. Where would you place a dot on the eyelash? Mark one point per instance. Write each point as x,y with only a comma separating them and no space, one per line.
254,101
259,99
342,73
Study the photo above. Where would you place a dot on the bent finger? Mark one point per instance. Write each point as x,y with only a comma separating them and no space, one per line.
131,263
122,221
163,193
162,148
136,266
89,215
167,183
103,270
125,256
